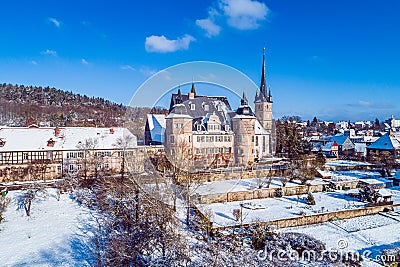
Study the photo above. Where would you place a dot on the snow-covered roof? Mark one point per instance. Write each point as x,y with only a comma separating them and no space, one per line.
386,142
385,193
339,139
325,174
372,181
360,148
65,138
259,129
156,123
328,146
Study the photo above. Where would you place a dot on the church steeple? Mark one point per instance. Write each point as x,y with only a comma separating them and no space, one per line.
263,84
192,93
265,93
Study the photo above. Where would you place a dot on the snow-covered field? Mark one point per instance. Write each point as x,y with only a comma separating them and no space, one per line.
278,208
220,187
54,234
346,163
369,241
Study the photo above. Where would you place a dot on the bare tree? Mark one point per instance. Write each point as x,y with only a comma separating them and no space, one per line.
29,194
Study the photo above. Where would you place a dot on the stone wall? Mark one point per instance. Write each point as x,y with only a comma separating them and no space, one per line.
262,193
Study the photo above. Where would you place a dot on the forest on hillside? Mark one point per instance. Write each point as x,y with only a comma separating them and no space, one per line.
44,106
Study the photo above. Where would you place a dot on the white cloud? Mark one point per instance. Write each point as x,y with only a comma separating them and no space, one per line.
128,67
84,61
33,62
147,71
49,52
244,14
55,22
161,44
209,26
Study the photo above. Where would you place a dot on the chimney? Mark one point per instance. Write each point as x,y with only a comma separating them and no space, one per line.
111,130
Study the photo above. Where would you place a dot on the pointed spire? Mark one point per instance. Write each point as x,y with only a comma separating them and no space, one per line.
178,99
263,83
243,101
193,89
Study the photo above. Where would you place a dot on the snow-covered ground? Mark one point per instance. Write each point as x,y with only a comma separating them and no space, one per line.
346,163
374,233
249,184
54,234
278,208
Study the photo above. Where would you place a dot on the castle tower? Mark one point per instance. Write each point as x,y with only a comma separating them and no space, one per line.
263,101
243,125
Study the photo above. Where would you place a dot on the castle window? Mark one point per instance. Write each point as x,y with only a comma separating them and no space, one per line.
256,140
264,144
1,156
59,168
171,139
178,125
71,168
190,139
206,107
192,107
25,156
198,151
239,138
79,167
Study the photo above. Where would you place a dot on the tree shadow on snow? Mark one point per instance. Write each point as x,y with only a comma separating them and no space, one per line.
74,250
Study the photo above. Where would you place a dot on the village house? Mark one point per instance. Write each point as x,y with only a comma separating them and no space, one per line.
33,153
334,146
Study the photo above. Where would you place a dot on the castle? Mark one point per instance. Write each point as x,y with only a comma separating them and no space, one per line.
203,131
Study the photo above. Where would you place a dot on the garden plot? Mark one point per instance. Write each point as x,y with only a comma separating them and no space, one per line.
364,223
222,214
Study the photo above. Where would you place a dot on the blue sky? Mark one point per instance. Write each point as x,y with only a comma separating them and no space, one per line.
331,59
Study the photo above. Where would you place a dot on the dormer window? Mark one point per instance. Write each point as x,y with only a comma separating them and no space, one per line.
213,127
198,127
226,128
51,142
219,108
192,107
2,142
206,107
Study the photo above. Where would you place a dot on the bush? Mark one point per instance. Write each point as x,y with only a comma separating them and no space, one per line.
310,199
278,192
